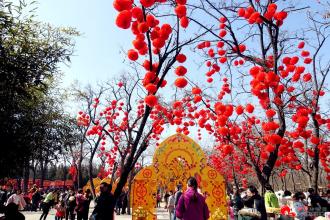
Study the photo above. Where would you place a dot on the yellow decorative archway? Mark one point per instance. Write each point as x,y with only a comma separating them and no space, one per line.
175,160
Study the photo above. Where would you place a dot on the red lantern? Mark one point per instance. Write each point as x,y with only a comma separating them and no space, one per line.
249,108
151,88
184,22
151,100
132,55
147,3
181,11
180,71
181,58
124,19
301,45
270,113
196,91
121,5
180,82
181,2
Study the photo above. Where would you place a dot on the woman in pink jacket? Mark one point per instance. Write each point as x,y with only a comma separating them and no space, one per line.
192,205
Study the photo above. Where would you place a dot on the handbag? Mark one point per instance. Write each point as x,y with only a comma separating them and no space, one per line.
251,212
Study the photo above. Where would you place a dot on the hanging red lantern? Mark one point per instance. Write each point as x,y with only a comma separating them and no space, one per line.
181,58
180,82
184,22
147,3
196,91
249,108
124,19
180,71
151,88
132,55
121,5
151,100
181,11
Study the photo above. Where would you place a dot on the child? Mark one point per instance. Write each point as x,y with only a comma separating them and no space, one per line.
60,211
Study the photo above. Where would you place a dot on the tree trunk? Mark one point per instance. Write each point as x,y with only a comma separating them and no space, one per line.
316,158
43,173
130,181
90,173
79,174
293,182
34,175
26,176
19,183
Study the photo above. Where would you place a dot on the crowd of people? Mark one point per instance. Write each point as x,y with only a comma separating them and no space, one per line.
248,204
244,204
188,205
282,205
68,204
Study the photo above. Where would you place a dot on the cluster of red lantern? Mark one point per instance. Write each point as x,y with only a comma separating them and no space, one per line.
254,17
181,12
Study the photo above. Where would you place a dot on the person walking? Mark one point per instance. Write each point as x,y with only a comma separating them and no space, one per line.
70,205
18,199
46,204
170,205
236,202
315,200
166,196
3,199
271,200
254,201
80,200
104,209
285,199
192,205
158,200
60,211
87,202
299,205
119,203
36,197
177,196
125,202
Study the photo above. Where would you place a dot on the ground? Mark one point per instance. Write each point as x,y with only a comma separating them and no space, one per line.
162,214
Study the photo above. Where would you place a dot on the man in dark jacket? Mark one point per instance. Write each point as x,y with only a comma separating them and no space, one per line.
104,209
316,200
254,200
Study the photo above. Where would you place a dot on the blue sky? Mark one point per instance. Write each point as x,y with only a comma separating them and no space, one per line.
97,51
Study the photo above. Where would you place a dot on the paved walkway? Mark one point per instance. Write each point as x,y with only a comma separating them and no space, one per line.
162,214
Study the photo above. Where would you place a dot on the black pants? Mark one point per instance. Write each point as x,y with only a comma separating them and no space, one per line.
123,210
82,215
34,206
45,211
118,210
69,214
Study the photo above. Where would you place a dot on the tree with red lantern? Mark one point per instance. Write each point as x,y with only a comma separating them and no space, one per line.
245,42
132,119
250,37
